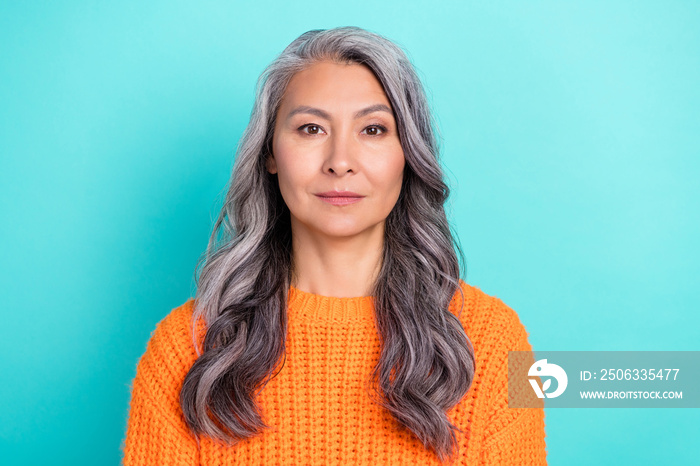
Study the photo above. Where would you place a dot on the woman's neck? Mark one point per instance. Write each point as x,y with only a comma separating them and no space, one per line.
343,267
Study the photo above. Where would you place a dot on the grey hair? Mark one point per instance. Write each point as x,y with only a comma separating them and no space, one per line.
426,364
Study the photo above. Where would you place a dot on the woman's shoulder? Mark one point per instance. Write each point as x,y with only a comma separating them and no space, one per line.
170,349
176,321
487,318
495,329
176,326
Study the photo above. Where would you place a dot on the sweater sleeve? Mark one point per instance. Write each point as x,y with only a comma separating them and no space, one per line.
156,429
514,435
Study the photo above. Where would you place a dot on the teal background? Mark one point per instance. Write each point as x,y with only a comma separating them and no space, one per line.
571,138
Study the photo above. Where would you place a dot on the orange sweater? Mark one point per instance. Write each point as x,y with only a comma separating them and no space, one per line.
317,405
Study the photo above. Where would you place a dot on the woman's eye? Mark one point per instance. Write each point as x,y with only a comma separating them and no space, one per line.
314,129
372,130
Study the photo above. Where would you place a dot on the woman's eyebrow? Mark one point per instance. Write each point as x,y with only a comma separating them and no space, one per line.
326,115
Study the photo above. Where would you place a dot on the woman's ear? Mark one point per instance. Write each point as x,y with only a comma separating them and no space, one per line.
271,164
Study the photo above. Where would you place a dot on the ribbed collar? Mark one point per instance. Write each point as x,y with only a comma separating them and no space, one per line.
314,307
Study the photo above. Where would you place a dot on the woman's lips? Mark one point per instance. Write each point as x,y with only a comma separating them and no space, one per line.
340,200
337,197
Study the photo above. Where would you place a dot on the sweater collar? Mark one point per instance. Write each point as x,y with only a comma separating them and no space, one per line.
314,307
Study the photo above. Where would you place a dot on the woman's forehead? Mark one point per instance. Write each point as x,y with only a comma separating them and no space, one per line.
333,82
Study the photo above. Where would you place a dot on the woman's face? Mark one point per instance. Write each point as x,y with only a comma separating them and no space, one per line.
335,131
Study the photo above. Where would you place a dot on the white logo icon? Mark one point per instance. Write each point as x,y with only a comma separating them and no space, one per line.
542,368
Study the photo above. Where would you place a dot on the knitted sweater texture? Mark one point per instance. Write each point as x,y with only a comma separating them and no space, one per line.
318,405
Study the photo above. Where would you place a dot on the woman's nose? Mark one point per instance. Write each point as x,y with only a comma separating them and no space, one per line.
341,153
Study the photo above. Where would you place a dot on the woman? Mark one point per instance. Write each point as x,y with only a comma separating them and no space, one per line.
331,325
